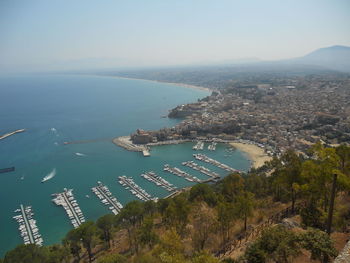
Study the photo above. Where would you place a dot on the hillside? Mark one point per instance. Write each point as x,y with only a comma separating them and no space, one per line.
334,57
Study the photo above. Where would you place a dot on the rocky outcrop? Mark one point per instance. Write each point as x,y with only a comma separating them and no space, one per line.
344,255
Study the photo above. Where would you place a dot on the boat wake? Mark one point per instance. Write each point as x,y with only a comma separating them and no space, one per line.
49,176
80,154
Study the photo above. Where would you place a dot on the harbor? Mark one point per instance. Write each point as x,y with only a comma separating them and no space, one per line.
70,205
176,171
106,197
201,169
27,226
136,190
206,159
159,181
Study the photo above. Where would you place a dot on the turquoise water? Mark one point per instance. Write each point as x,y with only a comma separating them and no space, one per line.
84,108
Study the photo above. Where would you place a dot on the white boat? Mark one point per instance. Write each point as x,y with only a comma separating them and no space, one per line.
49,176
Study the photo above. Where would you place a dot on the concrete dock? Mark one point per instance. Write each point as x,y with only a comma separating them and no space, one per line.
176,171
27,226
206,159
201,169
67,200
106,197
136,190
159,181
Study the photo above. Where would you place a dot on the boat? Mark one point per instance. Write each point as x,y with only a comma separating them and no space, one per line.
49,176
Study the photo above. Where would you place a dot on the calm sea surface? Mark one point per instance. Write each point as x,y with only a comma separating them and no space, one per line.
59,108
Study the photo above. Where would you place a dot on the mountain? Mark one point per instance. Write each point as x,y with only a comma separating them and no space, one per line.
334,57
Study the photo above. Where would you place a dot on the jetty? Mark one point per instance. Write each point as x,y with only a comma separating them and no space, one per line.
27,226
87,141
126,143
206,159
176,171
106,197
159,181
199,146
201,169
11,133
136,190
67,200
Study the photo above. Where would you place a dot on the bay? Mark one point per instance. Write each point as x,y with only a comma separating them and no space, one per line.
58,108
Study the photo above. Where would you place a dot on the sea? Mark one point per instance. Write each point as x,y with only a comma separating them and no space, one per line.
89,110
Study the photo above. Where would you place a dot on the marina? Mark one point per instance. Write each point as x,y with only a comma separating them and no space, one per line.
136,190
106,197
201,169
70,205
176,171
206,159
27,226
159,181
199,146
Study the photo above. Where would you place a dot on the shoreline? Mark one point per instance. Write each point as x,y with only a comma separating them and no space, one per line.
255,153
184,85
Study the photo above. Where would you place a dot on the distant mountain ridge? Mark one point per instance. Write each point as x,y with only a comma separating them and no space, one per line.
334,57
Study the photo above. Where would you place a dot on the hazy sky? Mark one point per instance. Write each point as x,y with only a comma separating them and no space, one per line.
58,34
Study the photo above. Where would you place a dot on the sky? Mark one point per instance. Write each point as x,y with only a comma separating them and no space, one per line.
44,34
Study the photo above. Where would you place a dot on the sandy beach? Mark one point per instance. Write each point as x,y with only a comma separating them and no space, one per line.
170,83
256,154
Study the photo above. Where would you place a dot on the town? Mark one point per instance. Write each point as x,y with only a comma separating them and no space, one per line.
277,114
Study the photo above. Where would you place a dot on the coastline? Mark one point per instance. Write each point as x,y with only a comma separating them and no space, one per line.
158,81
256,154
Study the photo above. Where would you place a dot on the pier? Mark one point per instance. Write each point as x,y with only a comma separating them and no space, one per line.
11,133
106,197
67,200
199,146
176,171
136,190
212,146
206,159
146,153
27,226
159,181
201,169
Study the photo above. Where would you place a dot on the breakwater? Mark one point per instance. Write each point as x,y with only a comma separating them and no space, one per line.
11,133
